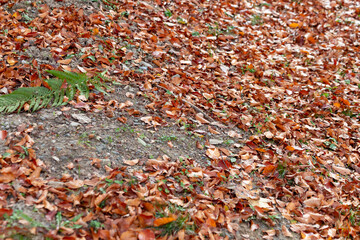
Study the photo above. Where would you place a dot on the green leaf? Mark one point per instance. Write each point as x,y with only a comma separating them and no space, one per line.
92,58
58,219
77,217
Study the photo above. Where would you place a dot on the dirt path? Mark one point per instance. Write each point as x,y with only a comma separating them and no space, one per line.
83,145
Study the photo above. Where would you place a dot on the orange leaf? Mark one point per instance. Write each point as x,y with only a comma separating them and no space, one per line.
337,105
268,169
293,25
344,101
326,81
17,15
311,40
65,61
95,31
260,150
211,222
290,148
146,234
11,60
161,221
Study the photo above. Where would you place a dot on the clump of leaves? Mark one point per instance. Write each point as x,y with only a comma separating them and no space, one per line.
67,83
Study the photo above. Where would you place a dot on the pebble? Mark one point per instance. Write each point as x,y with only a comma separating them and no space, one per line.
74,124
215,141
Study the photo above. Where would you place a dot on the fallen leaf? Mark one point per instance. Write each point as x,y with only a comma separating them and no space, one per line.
65,61
341,170
213,153
146,234
75,184
293,25
11,60
128,235
3,134
162,221
211,222
290,148
268,134
200,118
285,231
131,162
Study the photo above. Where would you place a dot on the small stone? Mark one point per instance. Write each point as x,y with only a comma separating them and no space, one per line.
56,158
82,118
55,184
215,141
74,124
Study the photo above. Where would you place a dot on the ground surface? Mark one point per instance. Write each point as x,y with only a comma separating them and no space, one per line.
225,120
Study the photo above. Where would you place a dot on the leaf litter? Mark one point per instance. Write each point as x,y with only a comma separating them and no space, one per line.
232,120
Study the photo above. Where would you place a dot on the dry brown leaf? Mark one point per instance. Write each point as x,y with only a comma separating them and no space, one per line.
146,234
75,184
341,170
200,118
213,153
131,162
285,231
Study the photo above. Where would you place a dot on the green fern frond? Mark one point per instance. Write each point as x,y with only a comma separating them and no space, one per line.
11,102
39,97
71,77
